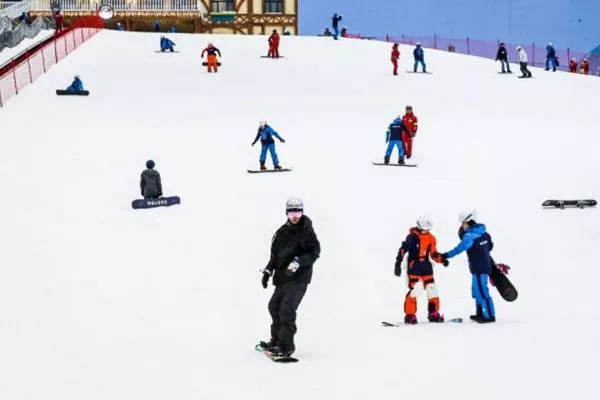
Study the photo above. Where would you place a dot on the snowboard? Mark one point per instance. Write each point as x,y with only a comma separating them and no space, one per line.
258,171
166,51
205,63
398,324
271,57
67,93
504,286
153,203
273,358
418,72
505,73
394,165
582,203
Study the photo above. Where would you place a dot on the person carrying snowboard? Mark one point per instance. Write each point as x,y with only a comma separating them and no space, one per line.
411,124
150,183
420,245
265,134
477,242
419,56
502,56
294,250
166,44
393,138
395,57
274,44
212,52
76,86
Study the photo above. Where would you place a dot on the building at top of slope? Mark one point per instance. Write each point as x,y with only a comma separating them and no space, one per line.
247,17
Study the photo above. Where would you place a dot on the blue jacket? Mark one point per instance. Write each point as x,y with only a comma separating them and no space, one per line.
166,44
550,52
266,135
478,244
76,86
395,130
419,53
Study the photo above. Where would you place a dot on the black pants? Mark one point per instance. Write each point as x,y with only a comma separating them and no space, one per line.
524,70
282,307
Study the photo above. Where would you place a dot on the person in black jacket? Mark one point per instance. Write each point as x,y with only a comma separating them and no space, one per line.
294,250
502,56
150,183
335,20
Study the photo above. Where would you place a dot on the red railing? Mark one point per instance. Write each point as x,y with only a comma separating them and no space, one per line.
25,69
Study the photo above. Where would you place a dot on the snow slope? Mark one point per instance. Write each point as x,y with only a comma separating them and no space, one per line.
101,302
8,53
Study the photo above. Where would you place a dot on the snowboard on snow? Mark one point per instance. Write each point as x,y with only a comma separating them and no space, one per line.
166,51
398,324
418,72
582,203
272,57
274,358
153,203
394,164
258,171
205,63
67,93
504,286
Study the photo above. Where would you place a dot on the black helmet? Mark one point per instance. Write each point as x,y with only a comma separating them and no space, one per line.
149,164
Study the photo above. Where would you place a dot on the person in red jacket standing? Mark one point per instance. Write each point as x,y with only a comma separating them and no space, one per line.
274,44
585,67
395,57
411,124
58,21
212,52
573,65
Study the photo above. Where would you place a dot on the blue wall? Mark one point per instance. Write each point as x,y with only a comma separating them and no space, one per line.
565,23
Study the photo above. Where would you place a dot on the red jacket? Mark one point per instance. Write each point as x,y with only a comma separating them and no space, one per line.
585,67
274,39
395,53
58,19
411,123
572,66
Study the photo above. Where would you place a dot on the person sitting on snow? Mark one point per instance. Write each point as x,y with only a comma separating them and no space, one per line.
76,86
166,44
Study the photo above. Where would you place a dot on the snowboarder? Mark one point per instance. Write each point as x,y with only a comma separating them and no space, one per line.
395,57
502,56
76,86
166,44
393,138
150,184
212,52
573,65
551,58
419,55
294,250
265,134
420,245
523,63
274,44
477,242
335,20
411,124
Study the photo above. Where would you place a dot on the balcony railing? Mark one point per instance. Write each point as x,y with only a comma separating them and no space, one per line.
122,5
13,9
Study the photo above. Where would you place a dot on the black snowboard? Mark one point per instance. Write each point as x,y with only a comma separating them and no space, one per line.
398,324
152,203
273,358
258,171
166,51
394,164
418,72
569,203
272,57
504,286
67,93
205,63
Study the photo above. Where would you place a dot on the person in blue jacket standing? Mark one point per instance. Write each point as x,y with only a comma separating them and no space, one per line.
550,57
419,55
477,242
393,138
166,44
335,20
76,86
266,134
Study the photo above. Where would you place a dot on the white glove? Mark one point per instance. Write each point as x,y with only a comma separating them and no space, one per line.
293,267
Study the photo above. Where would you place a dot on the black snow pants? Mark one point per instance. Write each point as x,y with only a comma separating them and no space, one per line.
526,73
282,307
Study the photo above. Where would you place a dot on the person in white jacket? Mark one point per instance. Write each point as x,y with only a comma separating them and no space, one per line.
523,62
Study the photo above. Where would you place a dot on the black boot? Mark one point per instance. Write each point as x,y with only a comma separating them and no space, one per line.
386,160
478,314
401,161
262,166
268,346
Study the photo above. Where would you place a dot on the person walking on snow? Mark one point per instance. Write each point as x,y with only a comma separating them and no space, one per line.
523,63
551,58
294,250
150,183
419,55
266,134
411,124
420,245
335,20
212,52
395,57
502,56
477,242
274,44
393,138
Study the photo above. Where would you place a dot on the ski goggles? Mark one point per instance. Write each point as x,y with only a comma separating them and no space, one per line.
294,213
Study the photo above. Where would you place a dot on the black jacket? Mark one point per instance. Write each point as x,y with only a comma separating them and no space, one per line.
502,54
294,242
150,184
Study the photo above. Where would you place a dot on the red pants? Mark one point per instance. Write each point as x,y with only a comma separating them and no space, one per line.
407,142
395,63
274,51
212,63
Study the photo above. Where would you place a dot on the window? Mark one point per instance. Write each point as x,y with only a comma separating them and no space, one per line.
274,6
222,5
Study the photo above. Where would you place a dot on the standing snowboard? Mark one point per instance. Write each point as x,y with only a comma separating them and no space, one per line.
570,203
152,203
504,286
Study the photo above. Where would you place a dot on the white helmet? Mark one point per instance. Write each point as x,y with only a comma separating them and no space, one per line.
424,223
262,123
519,48
549,43
467,215
294,204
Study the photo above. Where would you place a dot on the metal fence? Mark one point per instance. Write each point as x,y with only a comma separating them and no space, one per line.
120,5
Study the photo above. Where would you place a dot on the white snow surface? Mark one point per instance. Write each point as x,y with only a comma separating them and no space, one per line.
98,301
8,53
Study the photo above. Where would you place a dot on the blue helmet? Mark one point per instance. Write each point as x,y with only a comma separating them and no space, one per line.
149,164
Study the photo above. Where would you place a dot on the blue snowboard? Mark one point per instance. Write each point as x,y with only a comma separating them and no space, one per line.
152,203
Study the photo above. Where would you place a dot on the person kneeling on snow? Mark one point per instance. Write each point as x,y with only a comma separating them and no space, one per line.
76,86
150,183
166,44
